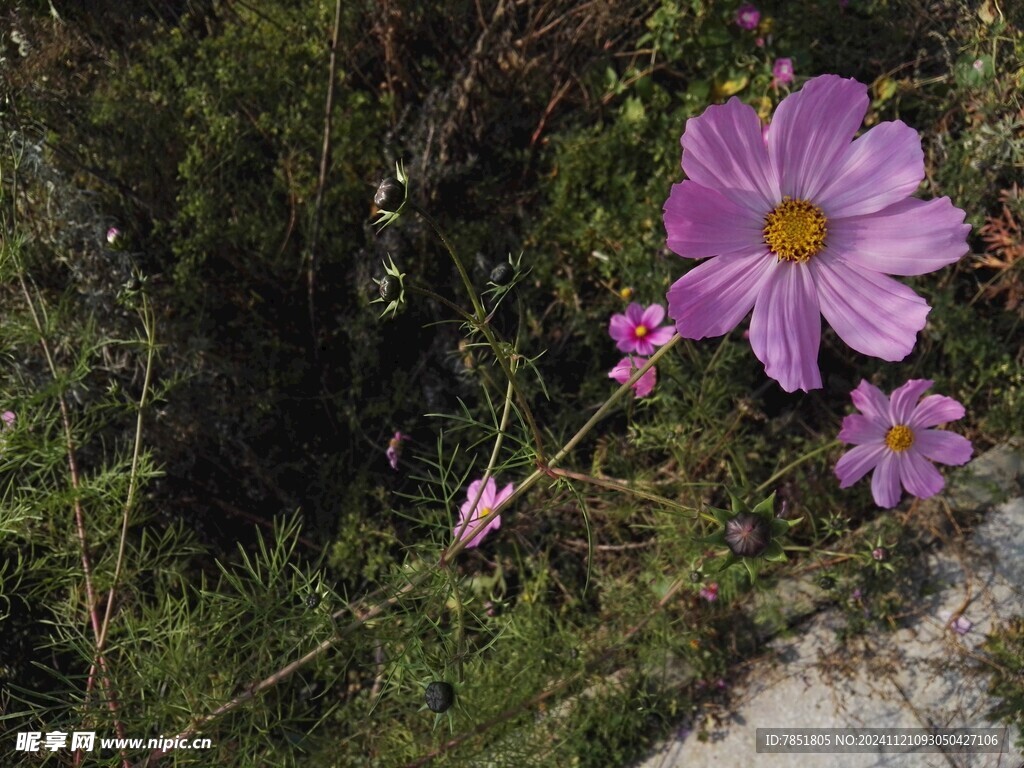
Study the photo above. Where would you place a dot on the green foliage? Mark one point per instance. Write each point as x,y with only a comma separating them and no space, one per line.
1004,648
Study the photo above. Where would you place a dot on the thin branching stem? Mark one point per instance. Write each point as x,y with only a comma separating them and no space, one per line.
73,471
133,475
614,485
484,327
321,183
795,463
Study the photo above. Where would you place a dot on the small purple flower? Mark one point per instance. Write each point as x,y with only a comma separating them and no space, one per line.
485,502
637,330
782,72
961,625
8,419
394,451
748,17
709,592
626,367
894,438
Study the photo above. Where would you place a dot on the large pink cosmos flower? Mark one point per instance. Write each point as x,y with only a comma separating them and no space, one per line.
470,515
809,223
894,438
637,330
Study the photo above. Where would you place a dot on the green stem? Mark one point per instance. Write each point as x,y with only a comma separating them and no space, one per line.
795,463
441,299
614,485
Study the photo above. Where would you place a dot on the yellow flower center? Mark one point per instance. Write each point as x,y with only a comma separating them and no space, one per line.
899,438
640,331
484,513
795,230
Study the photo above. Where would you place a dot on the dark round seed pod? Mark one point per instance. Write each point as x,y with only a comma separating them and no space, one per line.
827,582
313,600
503,273
696,576
439,696
389,288
748,535
390,194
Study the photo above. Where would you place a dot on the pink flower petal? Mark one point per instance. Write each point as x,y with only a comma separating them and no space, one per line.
634,313
785,329
712,298
943,447
885,482
723,150
661,335
904,399
935,410
621,330
882,167
872,402
702,222
857,462
643,347
652,316
919,476
872,313
502,497
858,430
470,514
810,131
911,237
624,370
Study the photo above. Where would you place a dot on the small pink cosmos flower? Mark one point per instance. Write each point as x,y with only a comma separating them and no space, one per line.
710,592
809,224
782,72
470,515
894,437
394,451
637,330
626,367
747,16
8,418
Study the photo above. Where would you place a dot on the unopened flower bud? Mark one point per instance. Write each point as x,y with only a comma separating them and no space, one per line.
696,576
826,582
389,288
313,600
748,535
439,696
390,194
880,554
502,274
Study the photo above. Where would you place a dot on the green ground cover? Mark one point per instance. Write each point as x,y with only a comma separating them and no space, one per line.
200,529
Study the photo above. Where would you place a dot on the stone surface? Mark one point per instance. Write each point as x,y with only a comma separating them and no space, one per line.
924,674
